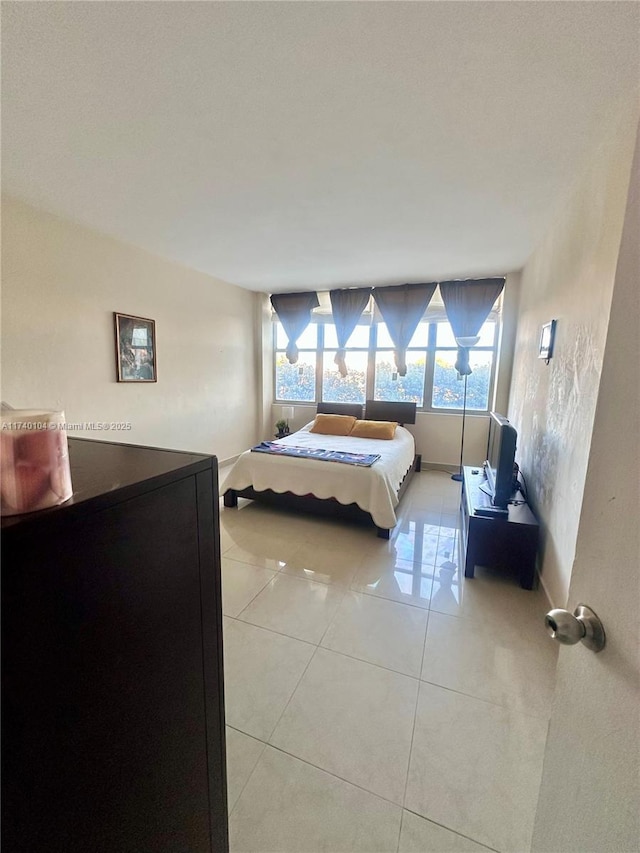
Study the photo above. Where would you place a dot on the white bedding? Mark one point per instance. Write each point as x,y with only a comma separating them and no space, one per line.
373,489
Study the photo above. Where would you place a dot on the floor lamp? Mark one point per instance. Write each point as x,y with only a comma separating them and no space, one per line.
466,342
458,477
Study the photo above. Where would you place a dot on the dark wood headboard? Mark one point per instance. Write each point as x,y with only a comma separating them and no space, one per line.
353,409
381,410
376,410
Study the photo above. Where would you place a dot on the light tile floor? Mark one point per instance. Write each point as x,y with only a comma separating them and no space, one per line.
376,700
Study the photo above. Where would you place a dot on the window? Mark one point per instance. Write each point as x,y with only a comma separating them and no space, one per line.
447,389
297,382
352,387
431,380
389,385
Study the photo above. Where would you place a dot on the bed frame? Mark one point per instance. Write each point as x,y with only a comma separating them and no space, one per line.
403,413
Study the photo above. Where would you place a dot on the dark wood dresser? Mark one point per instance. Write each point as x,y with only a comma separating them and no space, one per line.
112,678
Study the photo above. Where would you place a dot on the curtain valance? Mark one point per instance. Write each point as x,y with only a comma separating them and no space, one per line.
434,313
402,308
347,307
468,304
294,312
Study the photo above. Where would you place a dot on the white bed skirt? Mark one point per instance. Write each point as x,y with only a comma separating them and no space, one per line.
373,489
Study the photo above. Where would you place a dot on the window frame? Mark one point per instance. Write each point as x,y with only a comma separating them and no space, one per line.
430,351
348,349
390,349
431,363
301,350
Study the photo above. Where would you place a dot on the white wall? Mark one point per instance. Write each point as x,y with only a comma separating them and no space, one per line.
508,335
61,283
568,278
266,352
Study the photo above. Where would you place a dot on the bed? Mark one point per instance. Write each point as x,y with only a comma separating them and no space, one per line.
364,494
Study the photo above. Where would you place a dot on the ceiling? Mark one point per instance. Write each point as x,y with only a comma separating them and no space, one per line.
301,145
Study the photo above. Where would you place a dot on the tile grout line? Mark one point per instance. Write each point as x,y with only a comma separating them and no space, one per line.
486,701
449,829
257,593
271,631
282,571
268,742
293,692
335,776
334,651
370,663
324,770
262,589
253,737
413,730
400,827
333,618
290,636
253,769
393,600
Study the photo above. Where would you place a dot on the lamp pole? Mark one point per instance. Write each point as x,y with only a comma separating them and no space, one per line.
458,477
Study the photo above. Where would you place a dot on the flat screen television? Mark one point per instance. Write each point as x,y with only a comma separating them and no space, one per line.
501,454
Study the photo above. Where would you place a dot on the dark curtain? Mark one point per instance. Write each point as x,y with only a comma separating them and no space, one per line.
347,307
468,304
402,307
294,312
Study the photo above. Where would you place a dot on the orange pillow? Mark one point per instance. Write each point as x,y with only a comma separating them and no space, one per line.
374,429
333,424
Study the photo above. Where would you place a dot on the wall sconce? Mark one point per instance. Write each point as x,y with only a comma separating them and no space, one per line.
547,337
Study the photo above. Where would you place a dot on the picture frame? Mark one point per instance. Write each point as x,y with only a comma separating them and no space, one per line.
547,338
136,357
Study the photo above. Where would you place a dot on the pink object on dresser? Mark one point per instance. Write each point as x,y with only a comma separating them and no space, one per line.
34,461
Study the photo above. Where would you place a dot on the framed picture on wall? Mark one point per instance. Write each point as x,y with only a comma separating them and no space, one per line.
547,337
135,349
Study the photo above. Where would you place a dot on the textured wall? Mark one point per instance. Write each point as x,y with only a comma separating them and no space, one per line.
591,780
568,278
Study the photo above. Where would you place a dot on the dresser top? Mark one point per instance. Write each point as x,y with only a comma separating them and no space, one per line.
105,472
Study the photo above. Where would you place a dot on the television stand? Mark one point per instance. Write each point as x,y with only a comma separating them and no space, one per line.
507,542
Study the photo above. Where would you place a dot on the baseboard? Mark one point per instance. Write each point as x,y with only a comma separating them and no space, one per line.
229,461
439,466
546,591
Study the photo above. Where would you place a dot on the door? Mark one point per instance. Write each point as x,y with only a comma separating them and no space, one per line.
589,795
